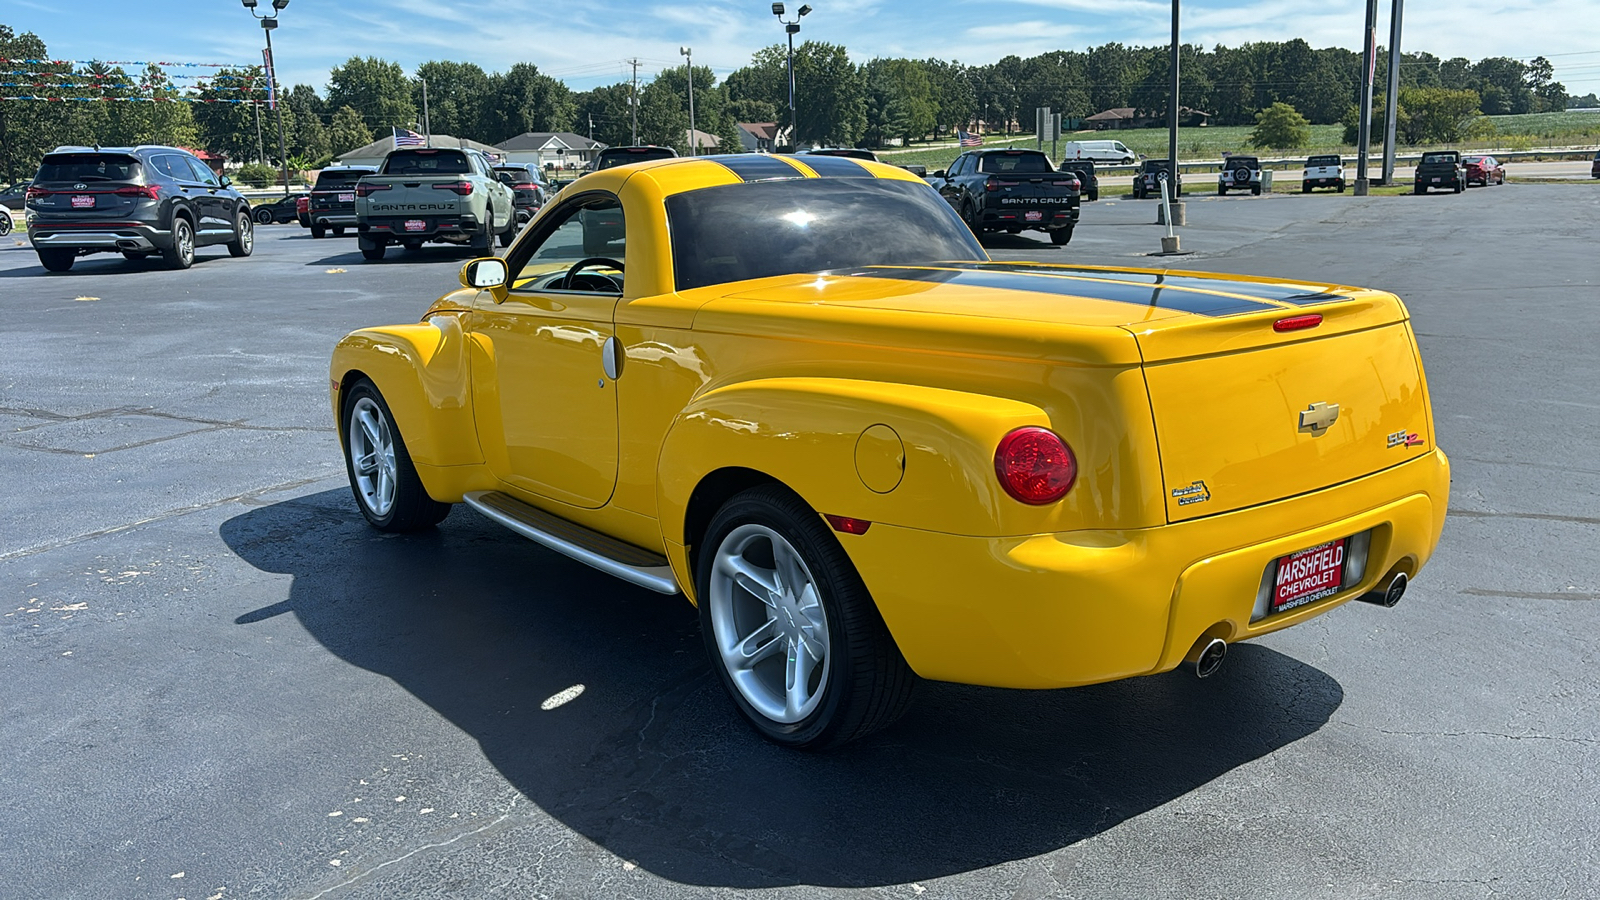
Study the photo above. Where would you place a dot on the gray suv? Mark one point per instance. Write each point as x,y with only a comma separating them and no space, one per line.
137,201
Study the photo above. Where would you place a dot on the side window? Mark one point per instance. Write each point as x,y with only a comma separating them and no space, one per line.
962,164
202,172
587,227
174,166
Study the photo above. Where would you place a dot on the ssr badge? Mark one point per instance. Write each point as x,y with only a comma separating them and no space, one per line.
1404,439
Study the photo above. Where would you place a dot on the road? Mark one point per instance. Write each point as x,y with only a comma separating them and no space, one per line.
218,682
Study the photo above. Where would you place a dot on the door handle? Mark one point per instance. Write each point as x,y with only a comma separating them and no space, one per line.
611,357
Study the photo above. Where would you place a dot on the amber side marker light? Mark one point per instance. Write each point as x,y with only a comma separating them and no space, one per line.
1296,323
847,524
1035,465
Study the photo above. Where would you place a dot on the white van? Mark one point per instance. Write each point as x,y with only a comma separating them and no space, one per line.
1099,151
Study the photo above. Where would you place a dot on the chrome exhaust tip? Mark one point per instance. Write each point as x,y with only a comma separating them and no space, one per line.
1390,595
1210,659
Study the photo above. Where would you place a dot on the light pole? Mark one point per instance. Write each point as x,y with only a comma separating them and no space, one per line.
792,29
267,24
688,55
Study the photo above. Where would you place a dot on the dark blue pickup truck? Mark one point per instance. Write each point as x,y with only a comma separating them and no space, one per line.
1011,190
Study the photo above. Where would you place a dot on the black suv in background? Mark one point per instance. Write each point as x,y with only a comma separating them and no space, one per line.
1088,181
137,201
529,192
1009,190
333,199
1147,180
621,156
1440,169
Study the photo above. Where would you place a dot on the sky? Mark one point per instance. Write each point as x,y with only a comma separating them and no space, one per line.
586,43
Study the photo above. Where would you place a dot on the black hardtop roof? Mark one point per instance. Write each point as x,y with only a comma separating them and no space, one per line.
988,150
123,151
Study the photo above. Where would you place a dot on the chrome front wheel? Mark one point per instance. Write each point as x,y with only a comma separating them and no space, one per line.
769,624
382,477
371,451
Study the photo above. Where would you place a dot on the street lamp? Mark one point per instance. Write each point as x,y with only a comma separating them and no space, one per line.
791,28
268,23
688,55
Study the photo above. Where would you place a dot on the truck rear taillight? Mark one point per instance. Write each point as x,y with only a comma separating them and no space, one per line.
995,184
530,186
460,187
363,189
1035,465
147,191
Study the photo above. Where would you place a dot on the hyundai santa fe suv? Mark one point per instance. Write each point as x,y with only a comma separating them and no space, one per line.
137,201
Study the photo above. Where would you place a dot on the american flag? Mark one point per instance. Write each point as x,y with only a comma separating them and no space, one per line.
405,137
969,140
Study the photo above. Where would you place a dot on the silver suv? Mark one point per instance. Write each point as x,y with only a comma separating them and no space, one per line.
137,201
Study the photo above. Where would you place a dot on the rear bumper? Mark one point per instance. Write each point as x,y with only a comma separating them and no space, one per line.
98,237
1323,182
1057,610
340,219
394,227
1017,217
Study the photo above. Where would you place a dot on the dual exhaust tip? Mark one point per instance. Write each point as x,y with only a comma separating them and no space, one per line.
1209,654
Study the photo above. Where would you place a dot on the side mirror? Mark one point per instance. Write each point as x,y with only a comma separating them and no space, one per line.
226,181
939,174
484,274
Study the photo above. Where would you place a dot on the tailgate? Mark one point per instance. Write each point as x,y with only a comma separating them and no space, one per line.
411,195
1287,414
1030,192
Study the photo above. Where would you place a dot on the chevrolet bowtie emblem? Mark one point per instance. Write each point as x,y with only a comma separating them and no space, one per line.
1317,417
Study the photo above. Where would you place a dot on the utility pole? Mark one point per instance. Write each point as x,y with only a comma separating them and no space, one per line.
261,147
1369,54
1392,106
1172,105
591,126
792,29
633,101
688,56
427,125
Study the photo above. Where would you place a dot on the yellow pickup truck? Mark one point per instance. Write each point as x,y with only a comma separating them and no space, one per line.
796,391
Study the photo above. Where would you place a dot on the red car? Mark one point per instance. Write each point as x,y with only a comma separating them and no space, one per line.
302,210
1484,170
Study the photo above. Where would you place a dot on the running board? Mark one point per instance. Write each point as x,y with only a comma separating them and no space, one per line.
611,556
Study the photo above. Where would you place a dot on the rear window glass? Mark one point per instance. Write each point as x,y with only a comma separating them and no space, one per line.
88,167
1020,163
426,162
1324,161
760,229
1439,157
338,179
1243,162
621,156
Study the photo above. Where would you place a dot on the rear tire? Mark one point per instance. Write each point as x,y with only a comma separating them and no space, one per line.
262,216
382,476
1255,190
373,248
338,231
1419,190
483,244
319,230
244,237
181,254
781,603
1061,236
1305,188
57,260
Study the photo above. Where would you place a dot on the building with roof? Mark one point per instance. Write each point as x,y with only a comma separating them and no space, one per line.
561,149
373,153
758,137
1121,117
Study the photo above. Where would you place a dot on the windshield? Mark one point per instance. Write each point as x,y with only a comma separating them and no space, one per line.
426,162
1243,162
1020,162
88,167
756,230
340,179
1438,158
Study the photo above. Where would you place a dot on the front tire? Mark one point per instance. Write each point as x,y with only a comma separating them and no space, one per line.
791,630
181,254
244,237
262,216
382,476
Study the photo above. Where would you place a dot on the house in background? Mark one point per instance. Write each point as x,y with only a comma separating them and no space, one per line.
703,142
1127,117
213,161
373,153
561,149
758,137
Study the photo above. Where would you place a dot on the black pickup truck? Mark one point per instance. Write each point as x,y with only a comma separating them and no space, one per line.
1010,190
333,199
1440,169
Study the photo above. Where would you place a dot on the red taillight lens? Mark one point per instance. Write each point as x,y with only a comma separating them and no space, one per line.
147,191
1035,466
847,524
460,187
364,189
35,192
302,204
1296,323
524,187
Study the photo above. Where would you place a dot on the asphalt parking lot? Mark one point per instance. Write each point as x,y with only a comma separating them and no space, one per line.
219,682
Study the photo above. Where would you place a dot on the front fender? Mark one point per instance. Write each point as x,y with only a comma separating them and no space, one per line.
808,434
422,372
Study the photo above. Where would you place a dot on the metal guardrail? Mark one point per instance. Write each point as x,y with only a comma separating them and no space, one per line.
1373,160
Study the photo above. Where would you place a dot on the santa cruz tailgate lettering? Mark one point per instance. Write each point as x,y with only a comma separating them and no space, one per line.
411,207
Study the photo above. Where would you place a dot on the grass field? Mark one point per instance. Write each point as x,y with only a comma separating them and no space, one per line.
1526,132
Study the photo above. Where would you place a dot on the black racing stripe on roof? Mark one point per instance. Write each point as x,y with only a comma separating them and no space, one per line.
836,167
1152,295
756,167
1296,294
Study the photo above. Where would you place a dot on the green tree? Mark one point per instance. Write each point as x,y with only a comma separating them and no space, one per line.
227,122
310,137
830,92
663,117
458,97
899,101
1434,115
525,100
952,94
1280,127
376,89
752,110
607,107
348,131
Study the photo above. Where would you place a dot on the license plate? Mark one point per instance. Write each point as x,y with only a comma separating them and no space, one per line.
1033,215
1436,181
82,202
1308,575
347,198
416,225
